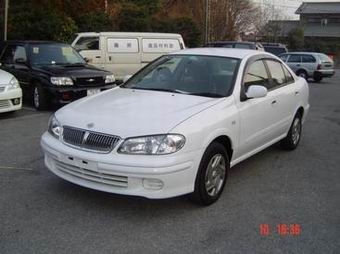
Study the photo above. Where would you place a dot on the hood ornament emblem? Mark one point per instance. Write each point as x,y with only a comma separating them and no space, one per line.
90,80
90,125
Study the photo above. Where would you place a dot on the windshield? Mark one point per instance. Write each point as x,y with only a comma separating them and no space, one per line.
209,76
50,54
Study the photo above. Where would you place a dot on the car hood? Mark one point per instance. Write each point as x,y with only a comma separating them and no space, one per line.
74,71
127,112
5,77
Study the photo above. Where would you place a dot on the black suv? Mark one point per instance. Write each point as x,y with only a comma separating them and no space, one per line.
51,72
275,48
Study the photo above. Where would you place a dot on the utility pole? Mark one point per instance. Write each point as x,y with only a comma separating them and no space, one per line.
5,20
105,4
206,39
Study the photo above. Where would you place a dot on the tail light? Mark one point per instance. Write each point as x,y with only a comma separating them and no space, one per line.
319,67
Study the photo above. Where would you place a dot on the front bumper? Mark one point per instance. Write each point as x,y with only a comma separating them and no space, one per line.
151,177
66,95
9,100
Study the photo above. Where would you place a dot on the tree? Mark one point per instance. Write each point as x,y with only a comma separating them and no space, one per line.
95,21
296,39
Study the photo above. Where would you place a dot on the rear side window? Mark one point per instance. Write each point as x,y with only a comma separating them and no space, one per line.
294,59
13,53
87,43
308,59
276,71
256,75
324,58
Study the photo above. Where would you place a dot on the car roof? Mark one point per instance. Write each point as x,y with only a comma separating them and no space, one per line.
301,53
223,52
32,42
232,42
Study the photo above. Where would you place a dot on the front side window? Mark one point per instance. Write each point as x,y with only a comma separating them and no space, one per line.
294,59
277,74
208,76
87,43
54,54
256,75
14,53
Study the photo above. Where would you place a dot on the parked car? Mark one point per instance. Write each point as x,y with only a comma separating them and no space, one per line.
179,124
10,93
51,72
235,44
124,53
274,48
310,65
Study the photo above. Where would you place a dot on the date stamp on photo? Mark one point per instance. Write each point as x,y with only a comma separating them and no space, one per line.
281,229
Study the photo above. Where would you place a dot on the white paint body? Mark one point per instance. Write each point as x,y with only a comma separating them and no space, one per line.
124,53
251,126
6,94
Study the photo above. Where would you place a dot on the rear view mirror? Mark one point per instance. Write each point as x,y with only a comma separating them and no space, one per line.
256,91
126,78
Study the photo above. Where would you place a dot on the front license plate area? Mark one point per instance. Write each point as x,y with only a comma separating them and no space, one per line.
93,91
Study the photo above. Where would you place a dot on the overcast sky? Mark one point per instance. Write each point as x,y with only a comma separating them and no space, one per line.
289,6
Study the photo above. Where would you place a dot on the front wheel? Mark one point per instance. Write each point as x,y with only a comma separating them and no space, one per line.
291,141
212,174
302,74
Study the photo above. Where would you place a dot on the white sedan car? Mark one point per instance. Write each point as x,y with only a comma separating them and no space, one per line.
179,124
10,93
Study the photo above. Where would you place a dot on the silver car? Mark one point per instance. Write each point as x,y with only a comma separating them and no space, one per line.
309,64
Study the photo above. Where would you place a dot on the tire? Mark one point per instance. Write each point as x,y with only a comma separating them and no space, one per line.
302,74
292,140
211,179
317,78
39,98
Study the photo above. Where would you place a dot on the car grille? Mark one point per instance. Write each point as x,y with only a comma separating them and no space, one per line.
2,88
91,175
89,140
4,104
90,82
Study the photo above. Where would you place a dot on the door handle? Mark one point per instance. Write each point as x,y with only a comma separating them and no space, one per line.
274,101
97,56
296,92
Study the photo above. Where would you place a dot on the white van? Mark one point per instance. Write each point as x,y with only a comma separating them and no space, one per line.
124,53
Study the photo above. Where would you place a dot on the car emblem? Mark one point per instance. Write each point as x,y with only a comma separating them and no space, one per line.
90,80
90,125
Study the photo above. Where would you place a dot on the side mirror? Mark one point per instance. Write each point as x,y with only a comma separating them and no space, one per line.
256,91
87,60
126,78
20,61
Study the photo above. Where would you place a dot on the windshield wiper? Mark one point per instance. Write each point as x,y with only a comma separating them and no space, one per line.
159,89
212,95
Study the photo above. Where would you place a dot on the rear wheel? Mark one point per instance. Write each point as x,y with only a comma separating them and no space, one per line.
317,78
212,175
291,141
302,74
39,97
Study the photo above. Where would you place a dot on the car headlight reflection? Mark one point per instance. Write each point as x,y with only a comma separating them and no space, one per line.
54,127
153,145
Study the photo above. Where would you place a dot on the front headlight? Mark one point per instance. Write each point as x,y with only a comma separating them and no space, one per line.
13,84
153,145
109,79
62,81
54,127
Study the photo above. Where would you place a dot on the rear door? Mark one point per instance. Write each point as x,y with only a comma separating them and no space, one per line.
309,63
123,55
